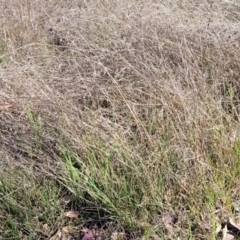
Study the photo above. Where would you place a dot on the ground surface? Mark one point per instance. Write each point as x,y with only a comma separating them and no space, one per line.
119,119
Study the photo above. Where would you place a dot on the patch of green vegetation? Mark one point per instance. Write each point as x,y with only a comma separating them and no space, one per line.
3,50
36,127
119,182
26,204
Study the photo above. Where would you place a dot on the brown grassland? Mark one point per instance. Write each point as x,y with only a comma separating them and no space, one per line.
130,109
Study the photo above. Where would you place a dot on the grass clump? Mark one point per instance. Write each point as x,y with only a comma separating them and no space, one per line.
130,110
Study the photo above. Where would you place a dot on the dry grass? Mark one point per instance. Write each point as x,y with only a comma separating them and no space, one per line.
132,107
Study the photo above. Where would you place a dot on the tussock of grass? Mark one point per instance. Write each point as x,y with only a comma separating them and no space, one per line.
132,107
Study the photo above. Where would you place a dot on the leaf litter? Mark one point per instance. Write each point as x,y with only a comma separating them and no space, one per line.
72,214
229,230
